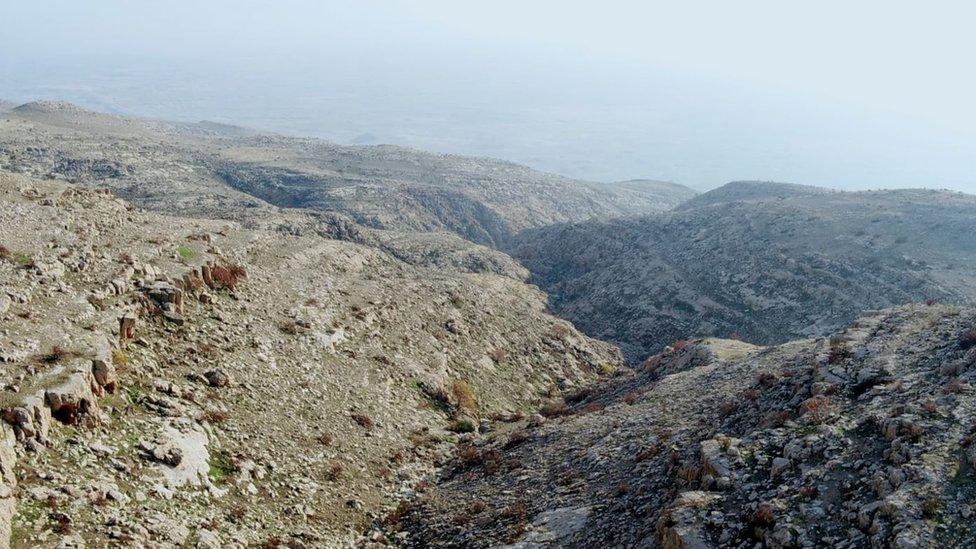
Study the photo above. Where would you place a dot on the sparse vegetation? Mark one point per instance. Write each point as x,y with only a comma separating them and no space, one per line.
334,471
363,421
185,253
229,276
516,438
463,395
56,354
967,338
554,408
499,355
119,359
818,409
290,327
222,467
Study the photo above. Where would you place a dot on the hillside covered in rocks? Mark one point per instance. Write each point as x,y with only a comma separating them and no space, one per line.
174,382
865,438
214,170
764,262
215,337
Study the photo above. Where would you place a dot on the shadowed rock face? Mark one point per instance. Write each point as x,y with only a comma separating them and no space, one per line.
759,261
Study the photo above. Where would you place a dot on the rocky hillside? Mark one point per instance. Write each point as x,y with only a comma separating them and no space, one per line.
176,382
761,262
862,439
215,170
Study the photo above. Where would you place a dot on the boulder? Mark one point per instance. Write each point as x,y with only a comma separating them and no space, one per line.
103,369
127,326
73,397
679,527
31,419
218,378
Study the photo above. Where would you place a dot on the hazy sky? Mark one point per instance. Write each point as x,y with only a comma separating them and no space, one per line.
850,94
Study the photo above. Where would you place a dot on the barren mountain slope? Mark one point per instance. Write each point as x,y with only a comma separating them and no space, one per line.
767,267
217,171
864,439
273,389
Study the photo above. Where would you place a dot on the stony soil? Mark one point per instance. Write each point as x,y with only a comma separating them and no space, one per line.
863,439
292,408
213,337
221,171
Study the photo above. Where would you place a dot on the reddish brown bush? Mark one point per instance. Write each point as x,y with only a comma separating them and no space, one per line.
766,379
493,461
764,516
517,510
838,353
518,513
228,276
554,408
469,455
334,472
631,397
818,408
57,354
679,344
591,407
774,419
727,408
955,386
5,253
516,438
498,355
363,420
561,330
647,453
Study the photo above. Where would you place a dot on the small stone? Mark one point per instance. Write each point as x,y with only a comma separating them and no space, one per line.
354,504
779,466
